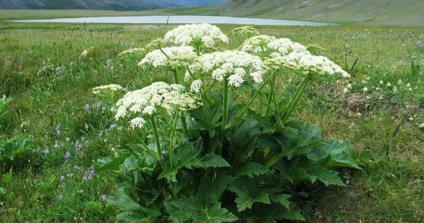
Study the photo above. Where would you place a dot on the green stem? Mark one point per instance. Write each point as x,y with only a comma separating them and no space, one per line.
176,75
270,95
183,123
157,141
225,103
254,96
197,46
295,99
171,143
205,108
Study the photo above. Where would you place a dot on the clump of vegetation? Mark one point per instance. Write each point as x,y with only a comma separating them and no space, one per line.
52,70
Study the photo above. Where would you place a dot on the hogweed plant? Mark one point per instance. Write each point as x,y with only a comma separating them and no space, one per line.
218,143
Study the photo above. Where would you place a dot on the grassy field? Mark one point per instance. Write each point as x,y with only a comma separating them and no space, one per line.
49,80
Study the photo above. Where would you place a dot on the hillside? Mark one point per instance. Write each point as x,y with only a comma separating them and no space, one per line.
104,4
375,12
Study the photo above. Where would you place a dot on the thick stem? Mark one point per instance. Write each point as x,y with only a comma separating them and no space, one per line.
240,115
183,123
176,76
225,103
296,98
271,95
205,108
171,143
157,140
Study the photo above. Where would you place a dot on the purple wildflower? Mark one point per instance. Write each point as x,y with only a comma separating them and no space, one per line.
67,155
58,127
99,105
60,69
103,197
78,146
88,175
87,107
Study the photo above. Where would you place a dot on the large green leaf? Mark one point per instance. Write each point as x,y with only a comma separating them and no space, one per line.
185,156
213,213
131,211
250,169
333,154
197,210
248,193
212,160
300,143
15,146
324,175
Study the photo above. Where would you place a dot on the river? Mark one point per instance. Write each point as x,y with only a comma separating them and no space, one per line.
179,20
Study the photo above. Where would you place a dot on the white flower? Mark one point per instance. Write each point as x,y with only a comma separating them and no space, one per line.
111,87
175,56
137,122
228,63
235,80
189,34
84,53
148,100
257,44
196,85
421,125
149,110
285,46
308,63
131,51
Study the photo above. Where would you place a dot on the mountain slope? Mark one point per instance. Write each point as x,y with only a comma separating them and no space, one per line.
381,12
372,12
104,4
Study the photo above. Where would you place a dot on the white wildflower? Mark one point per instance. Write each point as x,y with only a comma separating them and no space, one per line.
175,56
257,44
189,34
196,85
228,63
149,110
137,122
148,100
131,51
235,80
309,63
421,126
111,87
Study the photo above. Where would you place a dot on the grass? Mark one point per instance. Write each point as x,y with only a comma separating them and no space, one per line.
50,82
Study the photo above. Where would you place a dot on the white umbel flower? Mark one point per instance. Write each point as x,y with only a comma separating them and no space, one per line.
234,64
137,122
196,85
309,63
175,56
191,33
147,101
111,87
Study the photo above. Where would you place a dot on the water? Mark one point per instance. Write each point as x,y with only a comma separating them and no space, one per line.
180,20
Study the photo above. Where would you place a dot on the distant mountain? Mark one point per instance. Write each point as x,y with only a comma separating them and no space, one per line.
105,4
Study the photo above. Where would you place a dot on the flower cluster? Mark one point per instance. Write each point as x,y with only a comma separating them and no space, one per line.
257,44
147,101
291,54
272,46
247,31
110,87
174,56
131,51
311,64
230,65
194,34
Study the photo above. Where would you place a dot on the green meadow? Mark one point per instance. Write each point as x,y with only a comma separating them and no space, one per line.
54,132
